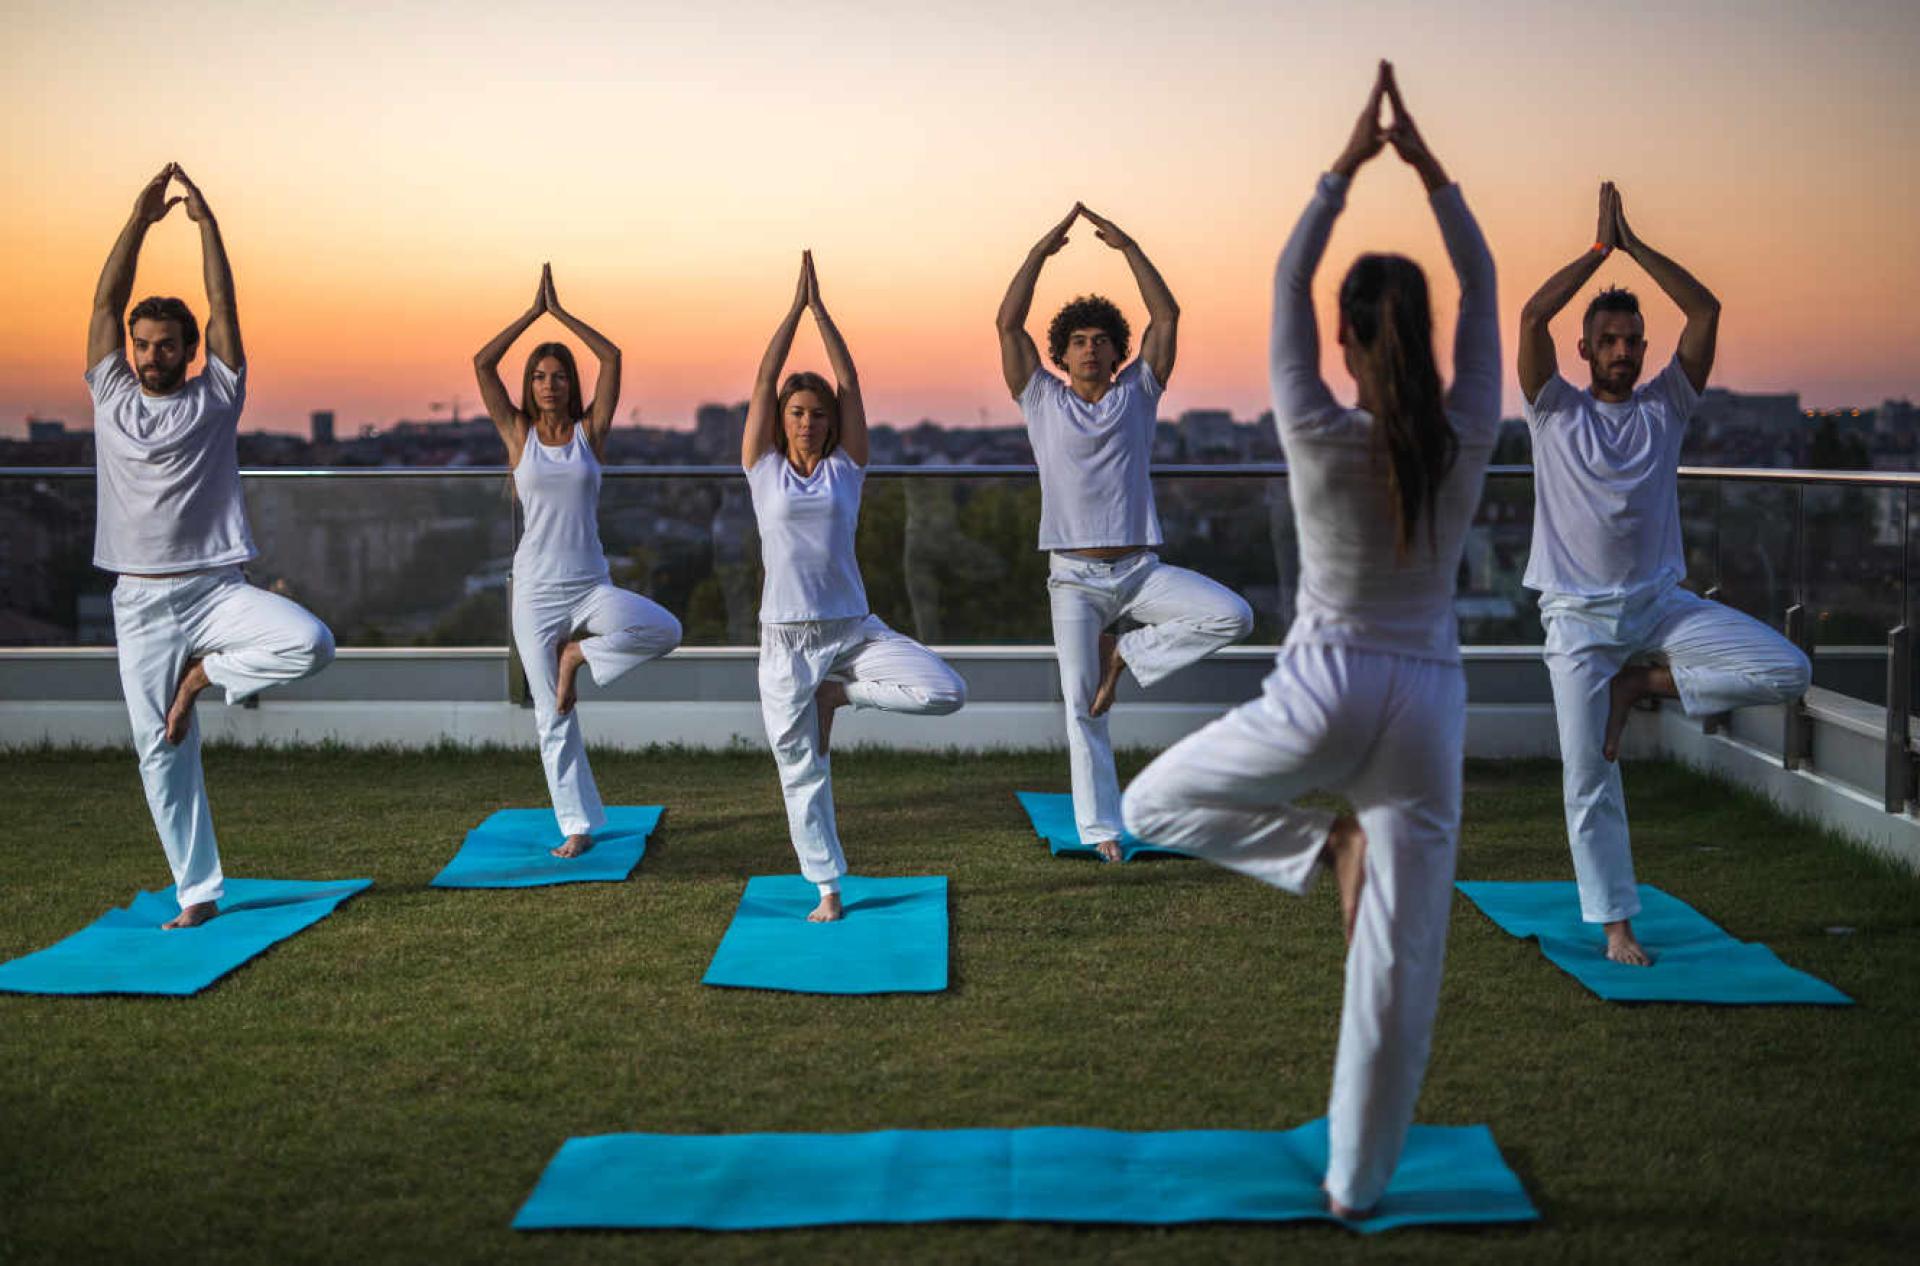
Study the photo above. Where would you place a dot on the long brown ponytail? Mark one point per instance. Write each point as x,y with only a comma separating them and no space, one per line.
1384,304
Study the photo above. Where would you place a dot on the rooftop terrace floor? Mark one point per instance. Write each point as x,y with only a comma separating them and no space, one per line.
389,1085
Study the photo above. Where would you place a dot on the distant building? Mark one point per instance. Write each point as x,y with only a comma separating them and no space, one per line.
320,426
1209,434
716,432
45,430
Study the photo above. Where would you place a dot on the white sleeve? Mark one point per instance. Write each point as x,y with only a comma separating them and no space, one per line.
1300,395
1552,401
111,379
1678,388
225,385
1475,394
1034,396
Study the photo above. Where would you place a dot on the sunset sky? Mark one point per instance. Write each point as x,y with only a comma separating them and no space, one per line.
390,178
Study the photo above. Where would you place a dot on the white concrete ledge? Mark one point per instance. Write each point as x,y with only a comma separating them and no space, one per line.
1838,806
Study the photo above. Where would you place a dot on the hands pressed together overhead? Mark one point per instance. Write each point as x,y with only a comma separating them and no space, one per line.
1613,233
1371,134
153,203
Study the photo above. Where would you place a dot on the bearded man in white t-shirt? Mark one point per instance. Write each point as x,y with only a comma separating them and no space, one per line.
172,526
1092,438
1607,556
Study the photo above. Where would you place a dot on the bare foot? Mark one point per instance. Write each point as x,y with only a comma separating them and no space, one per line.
829,699
828,911
1111,666
192,916
180,715
573,847
1346,852
1624,947
564,693
1109,850
1630,685
1344,1212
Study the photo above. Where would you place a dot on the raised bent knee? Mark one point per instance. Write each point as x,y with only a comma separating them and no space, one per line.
1235,625
1142,810
1793,677
316,651
948,697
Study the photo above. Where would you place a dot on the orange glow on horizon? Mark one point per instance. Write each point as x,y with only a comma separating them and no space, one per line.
389,184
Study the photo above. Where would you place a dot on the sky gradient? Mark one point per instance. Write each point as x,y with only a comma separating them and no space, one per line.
390,180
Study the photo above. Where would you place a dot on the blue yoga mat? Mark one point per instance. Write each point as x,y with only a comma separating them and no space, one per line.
1693,959
125,951
893,938
510,850
1052,818
744,1182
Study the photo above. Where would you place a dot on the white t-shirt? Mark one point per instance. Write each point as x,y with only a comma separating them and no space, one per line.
1606,499
168,471
559,491
807,527
1094,460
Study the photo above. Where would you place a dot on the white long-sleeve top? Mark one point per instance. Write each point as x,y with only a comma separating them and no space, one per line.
1354,591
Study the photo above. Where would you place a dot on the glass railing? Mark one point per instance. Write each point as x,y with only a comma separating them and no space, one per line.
407,557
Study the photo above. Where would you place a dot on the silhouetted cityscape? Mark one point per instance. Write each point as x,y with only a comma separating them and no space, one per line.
1730,428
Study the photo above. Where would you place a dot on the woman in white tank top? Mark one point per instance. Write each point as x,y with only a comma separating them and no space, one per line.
805,454
566,610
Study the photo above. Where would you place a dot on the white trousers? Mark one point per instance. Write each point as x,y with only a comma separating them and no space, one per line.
1183,616
1387,732
881,669
1721,659
246,639
620,630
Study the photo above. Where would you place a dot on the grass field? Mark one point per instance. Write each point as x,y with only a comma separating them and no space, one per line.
388,1085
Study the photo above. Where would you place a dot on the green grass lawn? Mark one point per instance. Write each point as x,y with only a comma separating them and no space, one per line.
389,1084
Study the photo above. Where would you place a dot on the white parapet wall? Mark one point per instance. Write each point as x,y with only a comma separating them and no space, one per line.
704,698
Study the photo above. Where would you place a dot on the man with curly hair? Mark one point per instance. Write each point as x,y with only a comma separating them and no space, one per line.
173,529
1093,441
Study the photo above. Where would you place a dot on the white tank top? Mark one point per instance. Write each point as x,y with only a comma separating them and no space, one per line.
559,490
807,527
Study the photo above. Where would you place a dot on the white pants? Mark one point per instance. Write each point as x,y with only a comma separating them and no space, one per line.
881,669
1721,659
620,630
1387,732
1183,616
246,639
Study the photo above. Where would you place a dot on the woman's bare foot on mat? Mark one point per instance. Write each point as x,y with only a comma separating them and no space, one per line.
180,715
192,916
829,699
1346,852
573,847
1111,666
828,911
1109,850
564,692
1624,947
1343,1212
1630,685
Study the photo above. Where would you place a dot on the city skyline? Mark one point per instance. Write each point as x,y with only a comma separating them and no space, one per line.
389,183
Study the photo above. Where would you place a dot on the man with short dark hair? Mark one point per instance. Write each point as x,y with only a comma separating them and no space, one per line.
1608,561
1093,442
172,526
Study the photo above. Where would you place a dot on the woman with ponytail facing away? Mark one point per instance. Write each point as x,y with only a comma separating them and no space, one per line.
1367,698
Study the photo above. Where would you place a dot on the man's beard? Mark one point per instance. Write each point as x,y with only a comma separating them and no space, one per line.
154,378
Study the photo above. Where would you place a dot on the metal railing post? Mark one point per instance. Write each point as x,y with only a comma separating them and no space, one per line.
1714,722
1900,771
1796,742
